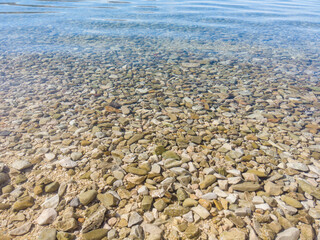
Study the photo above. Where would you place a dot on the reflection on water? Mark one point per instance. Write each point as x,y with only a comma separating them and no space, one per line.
65,25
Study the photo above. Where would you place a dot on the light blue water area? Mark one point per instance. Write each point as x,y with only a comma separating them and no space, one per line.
70,25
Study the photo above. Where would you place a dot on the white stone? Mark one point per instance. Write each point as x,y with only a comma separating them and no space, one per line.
223,184
245,211
234,180
234,172
209,196
219,192
47,216
67,163
257,200
232,198
143,190
188,217
263,206
76,156
134,219
51,202
50,156
298,166
21,164
289,234
201,211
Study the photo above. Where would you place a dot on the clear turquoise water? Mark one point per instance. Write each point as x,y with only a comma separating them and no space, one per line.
98,25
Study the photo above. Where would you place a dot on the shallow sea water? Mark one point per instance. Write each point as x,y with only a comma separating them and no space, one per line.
192,76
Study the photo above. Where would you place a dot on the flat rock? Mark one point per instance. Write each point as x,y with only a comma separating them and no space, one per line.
298,166
47,216
135,138
95,220
67,163
175,210
233,234
51,202
108,200
308,188
208,181
21,164
171,155
273,189
201,211
134,219
246,186
48,234
289,234
19,231
86,197
23,203
97,234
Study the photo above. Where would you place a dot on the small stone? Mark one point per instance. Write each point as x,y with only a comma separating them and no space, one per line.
50,156
51,202
159,150
134,219
160,205
74,202
192,231
21,164
233,234
236,220
298,166
201,211
170,154
20,179
189,202
23,203
25,228
3,178
208,181
273,189
289,234
174,210
108,200
146,203
291,201
307,232
47,216
97,234
75,156
38,189
52,187
135,138
137,171
7,189
308,188
95,220
48,234
67,163
67,225
87,197
65,236
4,206
246,186
209,196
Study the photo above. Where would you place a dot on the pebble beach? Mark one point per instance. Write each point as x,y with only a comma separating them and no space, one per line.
157,140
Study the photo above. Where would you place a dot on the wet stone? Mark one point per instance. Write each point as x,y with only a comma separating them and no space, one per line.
97,234
23,203
48,234
87,197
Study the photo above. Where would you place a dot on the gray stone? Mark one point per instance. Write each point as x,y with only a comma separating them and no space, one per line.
51,202
289,234
95,220
48,234
21,164
67,163
4,178
75,156
134,219
19,231
47,216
